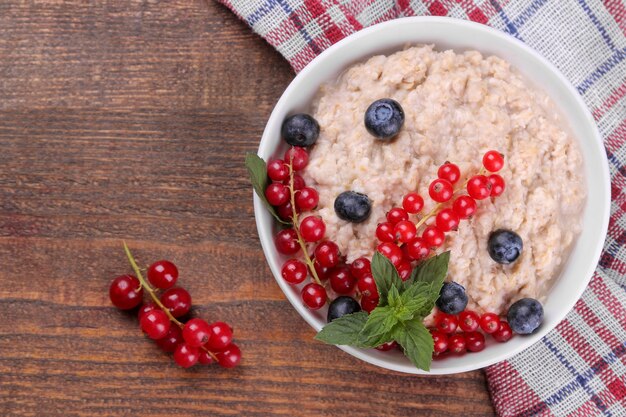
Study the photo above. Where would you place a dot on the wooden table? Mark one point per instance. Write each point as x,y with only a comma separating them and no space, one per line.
129,120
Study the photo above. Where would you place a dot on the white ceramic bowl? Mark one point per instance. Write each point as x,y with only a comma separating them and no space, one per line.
446,33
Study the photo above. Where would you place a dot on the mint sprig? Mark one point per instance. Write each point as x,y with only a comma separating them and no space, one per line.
400,313
257,169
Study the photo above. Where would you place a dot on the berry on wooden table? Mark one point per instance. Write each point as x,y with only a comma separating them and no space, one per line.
205,358
125,293
171,340
186,356
221,336
145,308
229,357
155,324
177,300
196,332
162,274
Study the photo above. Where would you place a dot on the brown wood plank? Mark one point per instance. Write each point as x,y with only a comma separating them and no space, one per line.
129,120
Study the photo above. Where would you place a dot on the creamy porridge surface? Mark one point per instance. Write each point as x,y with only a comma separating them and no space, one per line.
457,107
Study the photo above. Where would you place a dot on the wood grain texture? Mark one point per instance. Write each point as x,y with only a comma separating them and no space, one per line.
126,119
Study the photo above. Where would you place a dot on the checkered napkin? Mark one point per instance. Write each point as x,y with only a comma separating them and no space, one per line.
579,369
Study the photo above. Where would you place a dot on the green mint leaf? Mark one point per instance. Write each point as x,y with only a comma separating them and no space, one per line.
385,274
343,331
257,169
416,341
412,307
432,269
420,298
393,297
378,328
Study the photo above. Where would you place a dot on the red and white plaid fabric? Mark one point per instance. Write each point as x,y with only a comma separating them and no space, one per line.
579,369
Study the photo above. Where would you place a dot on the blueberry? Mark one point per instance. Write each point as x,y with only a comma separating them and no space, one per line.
300,130
525,315
504,246
384,118
452,298
352,206
341,306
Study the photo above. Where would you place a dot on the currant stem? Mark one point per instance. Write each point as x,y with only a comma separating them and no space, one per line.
294,219
148,288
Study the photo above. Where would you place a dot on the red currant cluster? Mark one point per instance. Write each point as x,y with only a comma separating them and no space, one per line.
448,340
291,197
399,236
191,342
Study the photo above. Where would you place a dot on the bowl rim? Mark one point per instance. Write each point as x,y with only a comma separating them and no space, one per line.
267,242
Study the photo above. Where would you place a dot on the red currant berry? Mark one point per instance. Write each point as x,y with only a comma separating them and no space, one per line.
146,308
433,237
489,323
479,187
277,170
468,321
196,332
391,252
155,324
396,215
123,292
163,274
221,336
440,190
497,185
186,356
456,344
314,296
405,231
446,323
413,203
285,211
327,254
369,303
385,232
493,161
298,158
205,357
307,199
474,341
417,249
464,206
229,357
294,271
387,346
404,270
321,271
367,286
341,281
361,267
298,182
287,242
277,194
450,172
447,220
504,333
312,228
171,340
177,300
440,341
